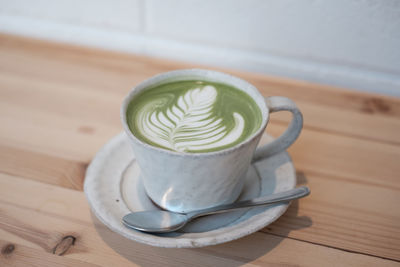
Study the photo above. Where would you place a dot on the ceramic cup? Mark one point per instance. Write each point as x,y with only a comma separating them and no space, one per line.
183,182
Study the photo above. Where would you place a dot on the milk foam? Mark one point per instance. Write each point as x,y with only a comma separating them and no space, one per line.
189,123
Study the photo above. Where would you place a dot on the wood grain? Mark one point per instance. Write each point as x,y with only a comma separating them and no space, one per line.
64,212
18,255
41,167
344,157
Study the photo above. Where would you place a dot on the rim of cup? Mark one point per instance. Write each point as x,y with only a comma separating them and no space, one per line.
202,74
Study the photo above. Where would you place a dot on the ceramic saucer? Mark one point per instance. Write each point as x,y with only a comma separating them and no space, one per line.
113,187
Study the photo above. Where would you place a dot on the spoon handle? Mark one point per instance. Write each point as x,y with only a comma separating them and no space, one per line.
266,200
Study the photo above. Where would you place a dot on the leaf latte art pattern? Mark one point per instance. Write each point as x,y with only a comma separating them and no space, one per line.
188,123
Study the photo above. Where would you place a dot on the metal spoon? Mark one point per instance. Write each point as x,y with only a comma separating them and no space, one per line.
160,221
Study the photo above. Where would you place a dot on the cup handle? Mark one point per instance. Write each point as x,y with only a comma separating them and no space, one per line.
279,103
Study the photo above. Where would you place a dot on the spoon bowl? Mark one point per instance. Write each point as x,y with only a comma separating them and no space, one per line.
155,221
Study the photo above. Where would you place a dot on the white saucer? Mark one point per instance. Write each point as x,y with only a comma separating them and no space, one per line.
114,188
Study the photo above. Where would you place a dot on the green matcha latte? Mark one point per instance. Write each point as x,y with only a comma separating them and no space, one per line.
193,116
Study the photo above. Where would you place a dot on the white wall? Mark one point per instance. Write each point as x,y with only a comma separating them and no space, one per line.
347,43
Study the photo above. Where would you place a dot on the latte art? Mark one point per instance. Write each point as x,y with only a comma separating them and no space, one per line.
189,125
192,118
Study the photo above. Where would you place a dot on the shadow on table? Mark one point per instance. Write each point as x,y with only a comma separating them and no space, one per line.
234,253
290,220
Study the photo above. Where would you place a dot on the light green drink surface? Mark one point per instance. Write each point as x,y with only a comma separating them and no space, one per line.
193,116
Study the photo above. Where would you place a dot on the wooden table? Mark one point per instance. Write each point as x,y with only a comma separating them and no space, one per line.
59,104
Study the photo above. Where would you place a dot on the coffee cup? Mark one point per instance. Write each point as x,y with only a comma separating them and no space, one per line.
183,181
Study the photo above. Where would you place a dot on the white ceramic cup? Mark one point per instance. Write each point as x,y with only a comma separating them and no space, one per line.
183,182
